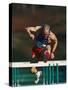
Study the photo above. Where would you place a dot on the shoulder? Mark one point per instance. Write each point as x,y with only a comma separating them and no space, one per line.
52,35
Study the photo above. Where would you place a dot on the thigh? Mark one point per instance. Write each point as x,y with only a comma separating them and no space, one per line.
48,47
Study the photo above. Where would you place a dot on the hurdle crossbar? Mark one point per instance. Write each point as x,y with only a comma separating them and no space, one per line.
39,64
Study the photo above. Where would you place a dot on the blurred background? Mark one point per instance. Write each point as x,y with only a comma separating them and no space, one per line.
26,15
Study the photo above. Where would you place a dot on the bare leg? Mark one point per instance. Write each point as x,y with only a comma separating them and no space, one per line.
47,52
49,49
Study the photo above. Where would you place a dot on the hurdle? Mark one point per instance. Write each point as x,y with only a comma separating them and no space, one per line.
48,69
39,64
57,67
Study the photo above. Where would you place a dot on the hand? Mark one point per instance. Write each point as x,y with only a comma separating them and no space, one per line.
38,27
32,36
52,56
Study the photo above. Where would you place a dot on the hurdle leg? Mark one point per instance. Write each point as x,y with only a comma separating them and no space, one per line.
46,75
13,77
57,73
15,83
19,77
49,74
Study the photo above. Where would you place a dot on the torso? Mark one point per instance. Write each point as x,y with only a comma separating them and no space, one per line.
42,39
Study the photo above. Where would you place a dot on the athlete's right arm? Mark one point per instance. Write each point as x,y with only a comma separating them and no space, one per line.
32,29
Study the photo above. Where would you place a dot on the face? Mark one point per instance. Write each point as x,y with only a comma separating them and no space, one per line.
46,30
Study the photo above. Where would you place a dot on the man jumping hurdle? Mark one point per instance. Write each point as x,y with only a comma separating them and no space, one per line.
45,43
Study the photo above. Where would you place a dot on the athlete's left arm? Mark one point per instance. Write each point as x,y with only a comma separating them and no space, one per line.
54,38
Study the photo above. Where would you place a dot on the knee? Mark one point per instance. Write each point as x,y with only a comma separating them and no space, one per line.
47,54
33,70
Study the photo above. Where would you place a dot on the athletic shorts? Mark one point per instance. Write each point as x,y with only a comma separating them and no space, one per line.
36,50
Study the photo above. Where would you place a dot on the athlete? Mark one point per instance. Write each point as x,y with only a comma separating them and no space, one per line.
45,42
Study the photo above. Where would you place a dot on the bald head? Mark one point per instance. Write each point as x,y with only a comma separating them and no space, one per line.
46,28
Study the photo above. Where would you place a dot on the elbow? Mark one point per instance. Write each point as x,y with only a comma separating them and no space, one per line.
57,42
